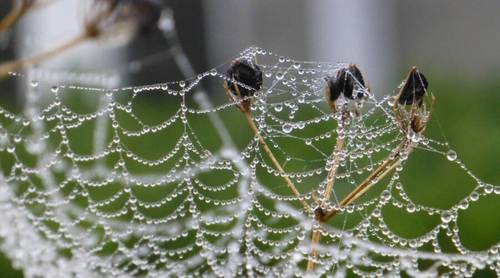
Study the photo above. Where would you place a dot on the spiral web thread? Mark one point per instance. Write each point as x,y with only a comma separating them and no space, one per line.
93,185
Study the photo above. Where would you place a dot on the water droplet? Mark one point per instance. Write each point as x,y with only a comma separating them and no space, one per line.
463,204
376,212
415,137
34,83
278,108
446,217
54,89
474,196
410,208
386,195
287,128
451,155
390,102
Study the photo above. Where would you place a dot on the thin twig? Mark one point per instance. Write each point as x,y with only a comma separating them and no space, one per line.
244,106
17,65
18,12
316,235
275,162
375,176
333,171
378,174
12,17
385,168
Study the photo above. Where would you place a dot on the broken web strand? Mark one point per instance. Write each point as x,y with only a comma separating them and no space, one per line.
355,245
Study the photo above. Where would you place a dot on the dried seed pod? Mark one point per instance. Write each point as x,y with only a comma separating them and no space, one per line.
319,213
344,83
413,89
246,73
355,78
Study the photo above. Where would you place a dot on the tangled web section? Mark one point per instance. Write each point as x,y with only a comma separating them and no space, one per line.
161,179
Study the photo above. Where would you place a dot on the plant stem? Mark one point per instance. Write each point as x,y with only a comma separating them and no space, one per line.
339,146
316,235
278,166
18,11
378,174
16,65
385,168
381,171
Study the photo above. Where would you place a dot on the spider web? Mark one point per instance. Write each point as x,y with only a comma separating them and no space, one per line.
157,180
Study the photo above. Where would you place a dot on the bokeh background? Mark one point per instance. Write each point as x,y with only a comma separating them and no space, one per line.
455,43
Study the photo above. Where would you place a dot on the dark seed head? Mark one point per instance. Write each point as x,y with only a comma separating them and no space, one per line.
246,73
414,88
319,213
345,82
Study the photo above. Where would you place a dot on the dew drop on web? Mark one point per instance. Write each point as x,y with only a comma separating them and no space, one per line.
451,155
287,128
